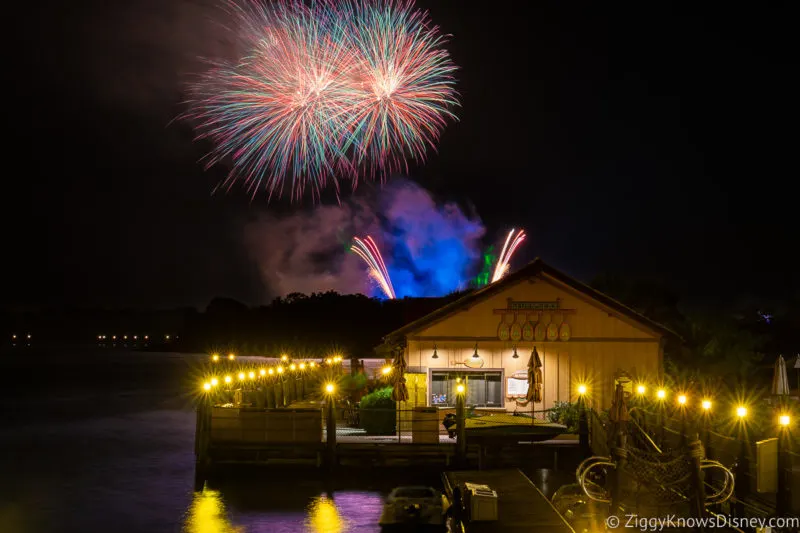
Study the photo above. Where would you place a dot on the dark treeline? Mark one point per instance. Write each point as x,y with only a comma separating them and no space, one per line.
734,344
301,324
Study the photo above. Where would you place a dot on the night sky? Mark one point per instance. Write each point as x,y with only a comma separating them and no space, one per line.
643,140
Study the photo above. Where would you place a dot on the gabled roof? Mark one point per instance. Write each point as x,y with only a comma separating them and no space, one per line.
532,269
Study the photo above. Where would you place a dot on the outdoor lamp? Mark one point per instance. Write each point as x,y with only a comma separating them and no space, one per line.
741,411
516,355
460,388
475,355
706,405
682,399
581,389
435,355
785,420
661,393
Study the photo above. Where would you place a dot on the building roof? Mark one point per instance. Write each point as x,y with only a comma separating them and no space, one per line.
534,268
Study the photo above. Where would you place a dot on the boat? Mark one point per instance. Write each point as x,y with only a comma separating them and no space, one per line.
506,426
416,507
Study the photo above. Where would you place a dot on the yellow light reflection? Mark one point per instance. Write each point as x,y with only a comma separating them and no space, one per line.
207,515
323,517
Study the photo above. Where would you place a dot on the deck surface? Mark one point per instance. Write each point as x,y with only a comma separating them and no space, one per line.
521,507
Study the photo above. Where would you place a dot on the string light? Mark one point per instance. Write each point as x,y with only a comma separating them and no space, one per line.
706,405
262,372
228,379
214,382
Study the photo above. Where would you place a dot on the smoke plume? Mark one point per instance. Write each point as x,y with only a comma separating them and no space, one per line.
430,249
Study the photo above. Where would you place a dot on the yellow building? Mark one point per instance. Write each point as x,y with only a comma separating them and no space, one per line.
485,339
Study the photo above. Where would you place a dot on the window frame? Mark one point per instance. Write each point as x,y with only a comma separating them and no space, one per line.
464,370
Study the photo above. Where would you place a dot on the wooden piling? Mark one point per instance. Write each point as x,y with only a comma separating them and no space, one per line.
461,430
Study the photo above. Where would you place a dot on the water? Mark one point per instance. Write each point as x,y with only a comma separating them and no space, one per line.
101,441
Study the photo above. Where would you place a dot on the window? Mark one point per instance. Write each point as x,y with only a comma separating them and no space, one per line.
484,388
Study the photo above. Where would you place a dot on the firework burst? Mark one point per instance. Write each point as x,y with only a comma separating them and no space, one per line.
326,91
367,250
503,266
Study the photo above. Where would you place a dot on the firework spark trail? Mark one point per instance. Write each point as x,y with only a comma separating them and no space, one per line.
326,90
505,255
406,84
369,252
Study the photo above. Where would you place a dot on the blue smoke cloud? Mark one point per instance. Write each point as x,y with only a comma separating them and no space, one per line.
429,249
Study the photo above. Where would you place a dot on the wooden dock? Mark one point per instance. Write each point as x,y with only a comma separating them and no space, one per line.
521,507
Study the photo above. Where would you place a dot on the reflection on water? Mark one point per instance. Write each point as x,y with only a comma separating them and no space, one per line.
207,514
340,512
323,516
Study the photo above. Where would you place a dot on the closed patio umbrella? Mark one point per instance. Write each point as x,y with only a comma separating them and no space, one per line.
399,391
780,380
534,377
619,406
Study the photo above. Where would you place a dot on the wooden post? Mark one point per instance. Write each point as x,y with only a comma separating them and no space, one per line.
583,430
698,501
784,497
461,430
619,455
709,451
742,474
202,441
331,432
